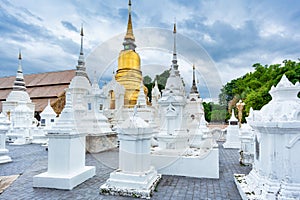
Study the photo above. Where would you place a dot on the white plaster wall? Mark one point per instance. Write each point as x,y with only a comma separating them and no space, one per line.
66,155
191,166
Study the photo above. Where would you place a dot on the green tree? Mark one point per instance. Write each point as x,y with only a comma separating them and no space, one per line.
148,83
253,88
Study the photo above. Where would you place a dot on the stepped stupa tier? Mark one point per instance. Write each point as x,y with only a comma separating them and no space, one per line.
129,72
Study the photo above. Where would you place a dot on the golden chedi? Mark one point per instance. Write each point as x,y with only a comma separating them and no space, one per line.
129,72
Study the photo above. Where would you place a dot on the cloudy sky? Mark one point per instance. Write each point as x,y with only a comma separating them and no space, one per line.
235,34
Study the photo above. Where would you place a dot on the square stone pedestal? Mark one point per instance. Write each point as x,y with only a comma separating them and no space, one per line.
4,158
66,163
139,185
65,182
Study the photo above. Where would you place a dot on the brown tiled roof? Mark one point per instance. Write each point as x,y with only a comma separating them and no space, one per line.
40,87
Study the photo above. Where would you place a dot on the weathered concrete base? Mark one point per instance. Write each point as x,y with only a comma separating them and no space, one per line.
140,185
202,165
4,158
63,181
256,188
242,186
289,191
266,189
96,143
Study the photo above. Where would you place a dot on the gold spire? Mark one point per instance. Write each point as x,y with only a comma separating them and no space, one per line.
129,33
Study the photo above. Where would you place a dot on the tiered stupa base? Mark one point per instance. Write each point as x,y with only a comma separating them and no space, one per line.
3,157
140,185
63,181
255,187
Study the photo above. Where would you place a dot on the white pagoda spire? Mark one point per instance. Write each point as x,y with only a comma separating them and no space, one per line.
194,89
174,61
19,84
141,101
80,68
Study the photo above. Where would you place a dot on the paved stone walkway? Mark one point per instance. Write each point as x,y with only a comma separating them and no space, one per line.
30,160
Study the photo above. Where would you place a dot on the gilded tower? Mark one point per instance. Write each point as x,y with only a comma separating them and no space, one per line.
129,72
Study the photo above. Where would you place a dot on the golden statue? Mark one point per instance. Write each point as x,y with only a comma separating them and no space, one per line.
129,72
240,105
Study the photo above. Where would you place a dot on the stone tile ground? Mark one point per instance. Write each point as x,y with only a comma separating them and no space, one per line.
30,160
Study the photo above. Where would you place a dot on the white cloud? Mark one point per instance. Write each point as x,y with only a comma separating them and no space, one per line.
236,34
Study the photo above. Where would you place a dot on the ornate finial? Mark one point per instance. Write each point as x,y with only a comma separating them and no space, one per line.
194,89
20,54
174,30
81,31
81,34
80,68
174,61
129,33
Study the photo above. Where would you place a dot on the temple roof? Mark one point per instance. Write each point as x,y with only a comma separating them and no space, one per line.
40,87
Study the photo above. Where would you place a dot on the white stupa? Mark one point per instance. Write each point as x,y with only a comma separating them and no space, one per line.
48,117
232,137
115,101
247,143
20,110
194,108
197,138
18,94
155,94
135,176
275,173
65,170
142,99
100,136
174,155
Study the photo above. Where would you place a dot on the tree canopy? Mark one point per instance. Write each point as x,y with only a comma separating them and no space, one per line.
253,88
161,81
